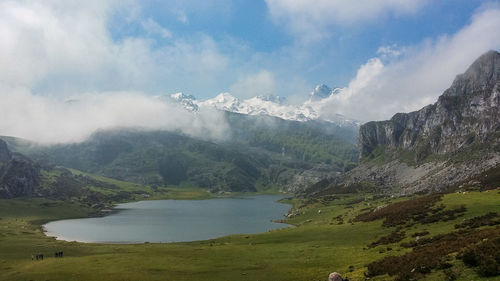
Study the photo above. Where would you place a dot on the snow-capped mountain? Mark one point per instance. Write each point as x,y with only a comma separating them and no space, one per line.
188,101
321,92
269,105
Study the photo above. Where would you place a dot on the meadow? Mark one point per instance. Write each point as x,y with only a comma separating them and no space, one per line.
329,235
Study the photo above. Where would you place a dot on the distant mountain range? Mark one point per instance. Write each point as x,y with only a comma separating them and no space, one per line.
270,144
270,105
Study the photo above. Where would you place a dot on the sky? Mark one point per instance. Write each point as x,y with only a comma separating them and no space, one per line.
388,56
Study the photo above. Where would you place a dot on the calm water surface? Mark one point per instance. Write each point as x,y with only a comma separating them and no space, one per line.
175,220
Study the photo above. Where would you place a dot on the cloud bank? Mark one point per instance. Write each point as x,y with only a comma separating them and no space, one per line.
49,120
55,50
407,79
63,47
311,19
52,51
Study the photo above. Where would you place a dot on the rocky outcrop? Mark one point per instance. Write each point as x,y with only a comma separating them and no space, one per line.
441,145
5,154
468,112
19,176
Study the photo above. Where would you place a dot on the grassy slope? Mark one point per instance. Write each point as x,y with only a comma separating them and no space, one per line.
317,246
178,192
250,161
172,192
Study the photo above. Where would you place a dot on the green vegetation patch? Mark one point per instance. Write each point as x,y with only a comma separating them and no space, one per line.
401,212
490,219
484,256
428,255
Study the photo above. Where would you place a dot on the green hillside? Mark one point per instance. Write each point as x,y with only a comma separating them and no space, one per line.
261,153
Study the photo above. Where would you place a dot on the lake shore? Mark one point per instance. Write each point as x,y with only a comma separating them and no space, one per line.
175,221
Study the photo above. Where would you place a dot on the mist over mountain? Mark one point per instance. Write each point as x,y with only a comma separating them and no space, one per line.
263,152
272,105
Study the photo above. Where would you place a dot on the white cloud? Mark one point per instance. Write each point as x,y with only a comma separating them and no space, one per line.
50,120
62,47
311,18
261,83
50,50
419,75
389,51
153,28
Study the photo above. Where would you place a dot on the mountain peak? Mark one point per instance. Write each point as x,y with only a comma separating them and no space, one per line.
482,74
323,91
270,105
225,96
188,101
223,101
320,92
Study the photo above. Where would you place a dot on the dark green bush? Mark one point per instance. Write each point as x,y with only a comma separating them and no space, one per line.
450,274
485,256
393,237
488,219
433,253
488,266
469,257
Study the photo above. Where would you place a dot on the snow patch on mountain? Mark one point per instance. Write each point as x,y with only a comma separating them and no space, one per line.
187,101
270,105
321,92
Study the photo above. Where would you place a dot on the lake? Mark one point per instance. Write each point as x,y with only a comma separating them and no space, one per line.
175,220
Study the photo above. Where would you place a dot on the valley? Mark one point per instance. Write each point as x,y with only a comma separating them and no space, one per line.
321,242
107,175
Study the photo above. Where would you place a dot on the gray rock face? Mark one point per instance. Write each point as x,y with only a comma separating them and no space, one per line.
5,154
19,176
467,112
441,145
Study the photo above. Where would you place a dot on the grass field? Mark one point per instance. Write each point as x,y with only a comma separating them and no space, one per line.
320,243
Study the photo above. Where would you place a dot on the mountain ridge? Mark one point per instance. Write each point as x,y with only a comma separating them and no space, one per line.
270,105
442,145
263,152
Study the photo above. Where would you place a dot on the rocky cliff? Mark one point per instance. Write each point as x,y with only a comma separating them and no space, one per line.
441,145
468,112
19,176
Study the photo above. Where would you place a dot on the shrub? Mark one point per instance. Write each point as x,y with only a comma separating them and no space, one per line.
432,253
450,274
418,210
401,212
420,234
393,237
488,219
488,267
484,255
469,257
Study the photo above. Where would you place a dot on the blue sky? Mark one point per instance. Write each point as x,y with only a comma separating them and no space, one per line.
332,59
248,48
117,56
